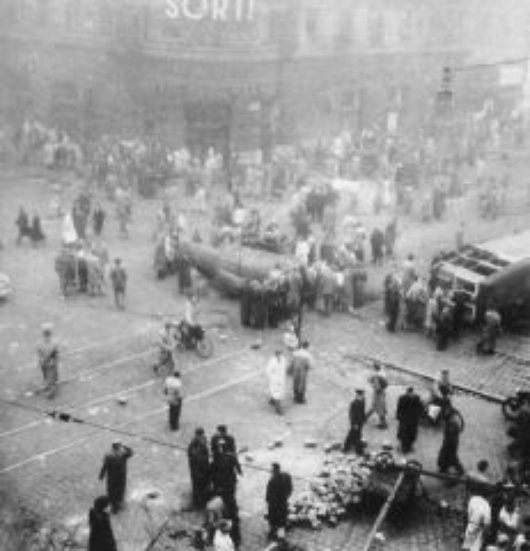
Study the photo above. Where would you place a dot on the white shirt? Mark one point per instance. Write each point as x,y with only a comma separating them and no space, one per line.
223,542
509,519
189,313
173,389
479,517
276,373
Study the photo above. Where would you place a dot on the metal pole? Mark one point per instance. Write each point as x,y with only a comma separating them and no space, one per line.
383,513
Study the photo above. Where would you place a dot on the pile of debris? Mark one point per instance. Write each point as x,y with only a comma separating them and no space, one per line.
340,485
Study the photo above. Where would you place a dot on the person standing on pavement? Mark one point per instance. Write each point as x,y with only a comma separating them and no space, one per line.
225,470
118,277
453,428
98,220
490,332
357,419
392,301
276,372
379,383
48,358
101,536
114,469
408,414
302,363
279,490
199,463
173,392
222,438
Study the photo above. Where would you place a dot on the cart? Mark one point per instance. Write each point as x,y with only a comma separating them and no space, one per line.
382,483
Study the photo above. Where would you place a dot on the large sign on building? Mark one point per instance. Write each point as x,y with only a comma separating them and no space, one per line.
213,10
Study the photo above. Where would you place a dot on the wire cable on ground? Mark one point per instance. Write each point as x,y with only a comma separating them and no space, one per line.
116,429
124,392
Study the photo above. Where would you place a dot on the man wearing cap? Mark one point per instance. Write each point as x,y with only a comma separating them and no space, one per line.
199,463
357,420
115,470
48,357
173,392
222,438
279,490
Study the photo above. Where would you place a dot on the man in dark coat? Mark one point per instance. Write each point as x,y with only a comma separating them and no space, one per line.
225,470
390,238
444,327
392,302
408,414
199,463
357,420
118,277
245,306
115,470
98,220
279,489
101,536
22,223
377,242
36,231
222,438
183,266
453,427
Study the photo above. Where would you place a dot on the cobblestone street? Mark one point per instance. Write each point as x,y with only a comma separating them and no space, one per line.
50,468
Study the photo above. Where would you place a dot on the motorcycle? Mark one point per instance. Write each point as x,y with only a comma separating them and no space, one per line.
183,338
514,405
193,338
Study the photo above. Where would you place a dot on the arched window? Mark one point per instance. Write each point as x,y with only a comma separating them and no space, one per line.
72,15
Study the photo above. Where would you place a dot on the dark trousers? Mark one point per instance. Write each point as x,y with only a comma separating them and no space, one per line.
407,434
119,298
116,492
393,316
174,415
448,456
354,440
328,304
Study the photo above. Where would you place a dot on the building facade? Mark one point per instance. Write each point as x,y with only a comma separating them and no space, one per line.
210,72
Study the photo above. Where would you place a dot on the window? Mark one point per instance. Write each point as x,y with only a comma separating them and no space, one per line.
376,31
344,36
311,25
72,15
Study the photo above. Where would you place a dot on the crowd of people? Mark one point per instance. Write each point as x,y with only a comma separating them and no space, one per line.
329,277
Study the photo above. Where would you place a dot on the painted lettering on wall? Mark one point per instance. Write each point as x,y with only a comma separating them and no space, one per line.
215,10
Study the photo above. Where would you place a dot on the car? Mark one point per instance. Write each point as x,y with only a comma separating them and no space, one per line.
5,286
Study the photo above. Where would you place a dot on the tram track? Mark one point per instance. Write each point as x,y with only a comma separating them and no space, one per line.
143,385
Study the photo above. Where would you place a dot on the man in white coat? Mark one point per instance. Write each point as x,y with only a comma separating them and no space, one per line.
276,372
478,521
